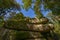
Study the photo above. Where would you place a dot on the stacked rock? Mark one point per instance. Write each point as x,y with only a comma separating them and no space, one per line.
46,26
42,24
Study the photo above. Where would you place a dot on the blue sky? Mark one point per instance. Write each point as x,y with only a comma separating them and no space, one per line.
30,12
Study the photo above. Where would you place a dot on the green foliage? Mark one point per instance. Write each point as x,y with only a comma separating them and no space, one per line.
36,6
17,21
53,5
8,3
37,9
1,21
27,4
7,6
19,16
22,35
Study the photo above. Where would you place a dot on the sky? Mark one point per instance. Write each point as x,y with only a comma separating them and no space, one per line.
30,12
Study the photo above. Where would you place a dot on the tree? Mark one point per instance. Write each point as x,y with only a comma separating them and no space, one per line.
52,5
5,7
8,5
